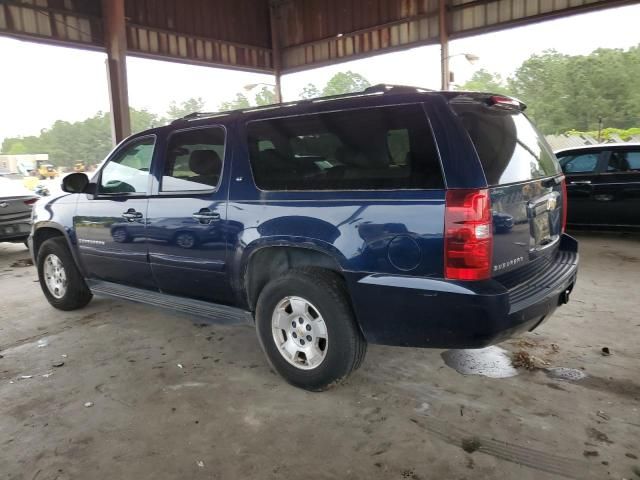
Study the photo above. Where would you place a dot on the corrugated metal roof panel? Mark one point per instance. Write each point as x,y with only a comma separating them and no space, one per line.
237,33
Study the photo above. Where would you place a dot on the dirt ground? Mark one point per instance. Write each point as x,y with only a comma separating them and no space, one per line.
172,397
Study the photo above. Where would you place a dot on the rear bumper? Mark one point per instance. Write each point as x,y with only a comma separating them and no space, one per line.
15,230
424,312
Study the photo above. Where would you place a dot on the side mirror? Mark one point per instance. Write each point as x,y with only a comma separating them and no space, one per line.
75,183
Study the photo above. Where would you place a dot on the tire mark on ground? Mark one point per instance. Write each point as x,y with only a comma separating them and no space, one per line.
536,459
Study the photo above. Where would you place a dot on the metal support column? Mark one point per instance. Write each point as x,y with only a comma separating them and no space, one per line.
115,39
444,45
275,49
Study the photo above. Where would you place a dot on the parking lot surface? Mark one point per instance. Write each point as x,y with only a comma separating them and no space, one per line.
125,391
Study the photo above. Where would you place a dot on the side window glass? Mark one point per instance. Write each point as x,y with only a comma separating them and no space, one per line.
633,159
265,145
399,146
618,162
359,149
193,160
585,163
128,171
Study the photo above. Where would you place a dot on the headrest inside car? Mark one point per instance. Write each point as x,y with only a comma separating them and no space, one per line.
205,162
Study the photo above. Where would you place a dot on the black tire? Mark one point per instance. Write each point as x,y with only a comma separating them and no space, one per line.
346,347
77,293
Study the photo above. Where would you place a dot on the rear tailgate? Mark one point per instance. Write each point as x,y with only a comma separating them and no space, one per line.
527,222
524,178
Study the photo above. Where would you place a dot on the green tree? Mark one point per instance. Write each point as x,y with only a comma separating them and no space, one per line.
69,142
266,96
309,91
184,108
485,81
345,82
240,101
144,119
573,92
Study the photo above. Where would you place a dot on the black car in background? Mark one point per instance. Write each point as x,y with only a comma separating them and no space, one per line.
603,185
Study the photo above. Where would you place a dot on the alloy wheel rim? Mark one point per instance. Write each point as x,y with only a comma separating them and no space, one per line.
300,333
55,276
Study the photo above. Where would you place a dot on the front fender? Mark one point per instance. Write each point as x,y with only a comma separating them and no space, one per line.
59,219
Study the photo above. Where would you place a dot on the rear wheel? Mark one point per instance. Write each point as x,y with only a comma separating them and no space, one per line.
59,277
307,329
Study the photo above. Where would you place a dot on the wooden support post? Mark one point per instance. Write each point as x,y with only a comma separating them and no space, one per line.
115,40
275,49
444,44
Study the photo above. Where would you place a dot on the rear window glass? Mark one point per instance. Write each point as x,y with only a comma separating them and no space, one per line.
509,146
374,148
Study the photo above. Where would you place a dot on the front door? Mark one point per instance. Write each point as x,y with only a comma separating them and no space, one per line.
186,227
110,225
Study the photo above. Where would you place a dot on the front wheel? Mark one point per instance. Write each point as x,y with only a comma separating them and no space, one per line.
59,277
307,329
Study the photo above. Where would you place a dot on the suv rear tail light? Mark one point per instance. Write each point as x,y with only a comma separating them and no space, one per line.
468,236
565,204
31,201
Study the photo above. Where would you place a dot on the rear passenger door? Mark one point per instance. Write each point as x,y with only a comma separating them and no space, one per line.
580,169
616,191
186,226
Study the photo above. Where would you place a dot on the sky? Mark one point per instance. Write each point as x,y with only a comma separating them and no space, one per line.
40,84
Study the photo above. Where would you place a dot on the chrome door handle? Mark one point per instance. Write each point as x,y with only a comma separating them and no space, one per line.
206,216
580,182
131,215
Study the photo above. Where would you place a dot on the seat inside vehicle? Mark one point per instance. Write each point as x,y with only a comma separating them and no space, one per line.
206,164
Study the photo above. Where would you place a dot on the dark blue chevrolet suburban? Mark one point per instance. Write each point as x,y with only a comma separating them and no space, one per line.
393,216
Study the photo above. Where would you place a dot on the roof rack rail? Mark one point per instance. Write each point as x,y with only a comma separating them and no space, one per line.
373,89
388,88
198,115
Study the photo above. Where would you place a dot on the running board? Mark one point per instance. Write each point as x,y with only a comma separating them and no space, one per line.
221,314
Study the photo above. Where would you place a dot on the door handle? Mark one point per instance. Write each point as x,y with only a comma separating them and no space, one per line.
580,182
132,215
206,216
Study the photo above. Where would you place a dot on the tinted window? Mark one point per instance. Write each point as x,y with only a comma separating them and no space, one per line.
509,146
374,148
128,171
580,163
621,161
193,160
633,159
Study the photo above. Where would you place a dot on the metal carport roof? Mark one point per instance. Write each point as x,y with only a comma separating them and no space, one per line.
268,36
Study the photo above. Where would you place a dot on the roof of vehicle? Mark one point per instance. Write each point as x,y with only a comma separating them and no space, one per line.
599,146
367,96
